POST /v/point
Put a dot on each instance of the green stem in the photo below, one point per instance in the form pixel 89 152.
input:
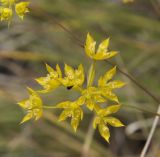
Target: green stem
pixel 91 74
pixel 141 109
pixel 48 107
pixel 78 88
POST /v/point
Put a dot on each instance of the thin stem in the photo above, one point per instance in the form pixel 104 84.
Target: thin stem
pixel 49 107
pixel 147 144
pixel 91 74
pixel 78 88
pixel 141 109
pixel 88 139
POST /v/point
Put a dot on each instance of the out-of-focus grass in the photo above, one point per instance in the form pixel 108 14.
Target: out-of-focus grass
pixel 26 46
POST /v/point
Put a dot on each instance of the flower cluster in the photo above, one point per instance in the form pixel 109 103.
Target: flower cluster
pixel 92 96
pixel 8 7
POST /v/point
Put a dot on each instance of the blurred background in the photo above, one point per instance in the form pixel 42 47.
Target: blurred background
pixel 52 33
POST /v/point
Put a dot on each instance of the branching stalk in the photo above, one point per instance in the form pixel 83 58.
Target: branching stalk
pixel 150 136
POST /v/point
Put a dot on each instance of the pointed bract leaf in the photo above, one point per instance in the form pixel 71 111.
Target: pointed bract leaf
pixel 90 46
pixel 27 117
pixel 109 110
pixel 25 104
pixel 103 46
pixel 58 69
pixel 115 84
pixel 109 74
pixel 104 132
pixel 49 68
pixel 96 122
pixel 113 121
pixel 64 115
pixel 76 117
pixel 110 95
pixel 69 71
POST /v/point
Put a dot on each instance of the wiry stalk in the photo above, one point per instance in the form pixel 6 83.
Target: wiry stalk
pixel 149 138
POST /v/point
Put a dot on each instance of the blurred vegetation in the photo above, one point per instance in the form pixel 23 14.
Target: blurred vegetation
pixel 134 30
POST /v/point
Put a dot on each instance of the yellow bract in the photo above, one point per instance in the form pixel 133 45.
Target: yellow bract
pixel 102 120
pixel 102 52
pixel 7 2
pixel 7 8
pixel 21 9
pixel 72 110
pixel 6 14
pixel 33 106
pixel 106 87
pixel 73 77
pixel 52 80
pixel 91 96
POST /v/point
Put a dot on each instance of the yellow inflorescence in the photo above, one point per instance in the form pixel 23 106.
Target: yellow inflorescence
pixel 9 7
pixel 91 96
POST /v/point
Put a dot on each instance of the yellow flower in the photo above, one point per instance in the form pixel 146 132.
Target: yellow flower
pixel 33 106
pixel 52 80
pixel 6 14
pixel 73 110
pixel 102 120
pixel 106 86
pixel 21 9
pixel 91 96
pixel 73 77
pixel 7 2
pixel 102 52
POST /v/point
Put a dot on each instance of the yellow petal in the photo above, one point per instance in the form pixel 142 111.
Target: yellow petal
pixel 49 68
pixel 48 84
pixel 96 122
pixel 43 81
pixel 109 110
pixel 37 113
pixel 103 47
pixel 90 104
pixel 25 104
pixel 64 115
pixel 21 9
pixel 107 76
pixel 69 71
pixel 110 95
pixel 76 117
pixel 90 46
pixel 58 69
pixel 31 91
pixel 104 55
pixel 79 76
pixel 115 84
pixel 27 117
pixel 104 131
pixel 113 121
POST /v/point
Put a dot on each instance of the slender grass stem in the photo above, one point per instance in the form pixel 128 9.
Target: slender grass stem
pixel 150 136
pixel 88 139
pixel 141 109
